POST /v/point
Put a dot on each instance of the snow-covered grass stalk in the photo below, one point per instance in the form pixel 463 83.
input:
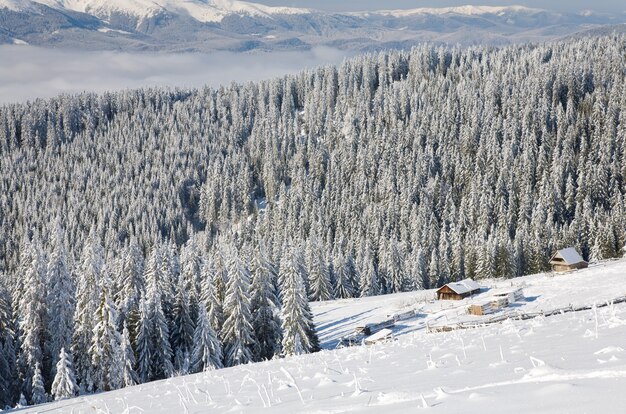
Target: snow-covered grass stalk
pixel 293 381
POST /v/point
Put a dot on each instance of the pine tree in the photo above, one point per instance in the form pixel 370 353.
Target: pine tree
pixel 105 344
pixel 158 329
pixel 129 279
pixel 320 286
pixel 369 284
pixel 343 287
pixel 143 343
pixel 207 351
pixel 64 384
pixel 61 301
pixel 8 374
pixel 299 334
pixel 87 298
pixel 238 331
pixel 183 328
pixel 395 267
pixel 39 395
pixel 264 305
pixel 32 317
pixel 128 376
pixel 160 348
pixel 420 271
pixel 191 272
pixel 210 298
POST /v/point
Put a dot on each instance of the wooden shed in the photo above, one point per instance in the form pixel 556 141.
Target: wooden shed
pixel 515 294
pixel 458 290
pixel 481 308
pixel 567 259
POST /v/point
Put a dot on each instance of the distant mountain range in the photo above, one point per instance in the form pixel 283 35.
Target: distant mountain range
pixel 209 25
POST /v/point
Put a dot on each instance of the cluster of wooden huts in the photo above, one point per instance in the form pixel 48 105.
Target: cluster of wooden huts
pixel 564 260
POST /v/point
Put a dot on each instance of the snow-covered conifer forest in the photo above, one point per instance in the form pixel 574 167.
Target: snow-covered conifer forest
pixel 153 233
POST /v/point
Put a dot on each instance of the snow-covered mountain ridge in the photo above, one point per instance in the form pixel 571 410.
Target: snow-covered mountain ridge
pixel 201 10
pixel 572 362
pixel 216 10
pixel 468 10
pixel 207 25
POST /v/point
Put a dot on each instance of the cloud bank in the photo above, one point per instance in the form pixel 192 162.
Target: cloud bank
pixel 28 72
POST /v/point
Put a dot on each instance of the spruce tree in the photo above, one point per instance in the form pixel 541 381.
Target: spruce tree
pixel 183 328
pixel 8 374
pixel 60 301
pixel 207 351
pixel 127 363
pixel 38 395
pixel 238 331
pixel 87 298
pixel 105 344
pixel 343 287
pixel 64 384
pixel 299 334
pixel 129 280
pixel 32 318
pixel 143 343
pixel 264 305
pixel 210 299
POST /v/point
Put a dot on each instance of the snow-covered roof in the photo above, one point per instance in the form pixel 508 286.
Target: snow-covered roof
pixel 482 302
pixel 382 334
pixel 464 286
pixel 568 255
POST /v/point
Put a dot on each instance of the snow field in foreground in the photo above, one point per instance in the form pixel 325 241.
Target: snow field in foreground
pixel 574 362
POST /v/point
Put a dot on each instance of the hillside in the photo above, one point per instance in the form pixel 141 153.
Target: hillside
pixel 571 362
pixel 150 233
pixel 210 25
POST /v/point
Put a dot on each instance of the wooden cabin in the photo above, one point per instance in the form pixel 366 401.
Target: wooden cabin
pixel 567 259
pixel 458 290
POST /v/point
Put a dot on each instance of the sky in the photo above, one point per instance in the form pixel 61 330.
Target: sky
pixel 574 6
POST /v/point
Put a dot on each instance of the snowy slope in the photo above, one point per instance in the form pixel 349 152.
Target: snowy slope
pixel 573 362
pixel 544 293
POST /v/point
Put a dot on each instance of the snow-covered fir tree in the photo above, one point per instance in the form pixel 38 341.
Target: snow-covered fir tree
pixel 105 343
pixel 265 308
pixel 238 330
pixel 299 336
pixel 143 342
pixel 64 383
pixel 39 395
pixel 60 300
pixel 31 313
pixel 207 350
pixel 87 300
pixel 128 375
pixel 182 328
